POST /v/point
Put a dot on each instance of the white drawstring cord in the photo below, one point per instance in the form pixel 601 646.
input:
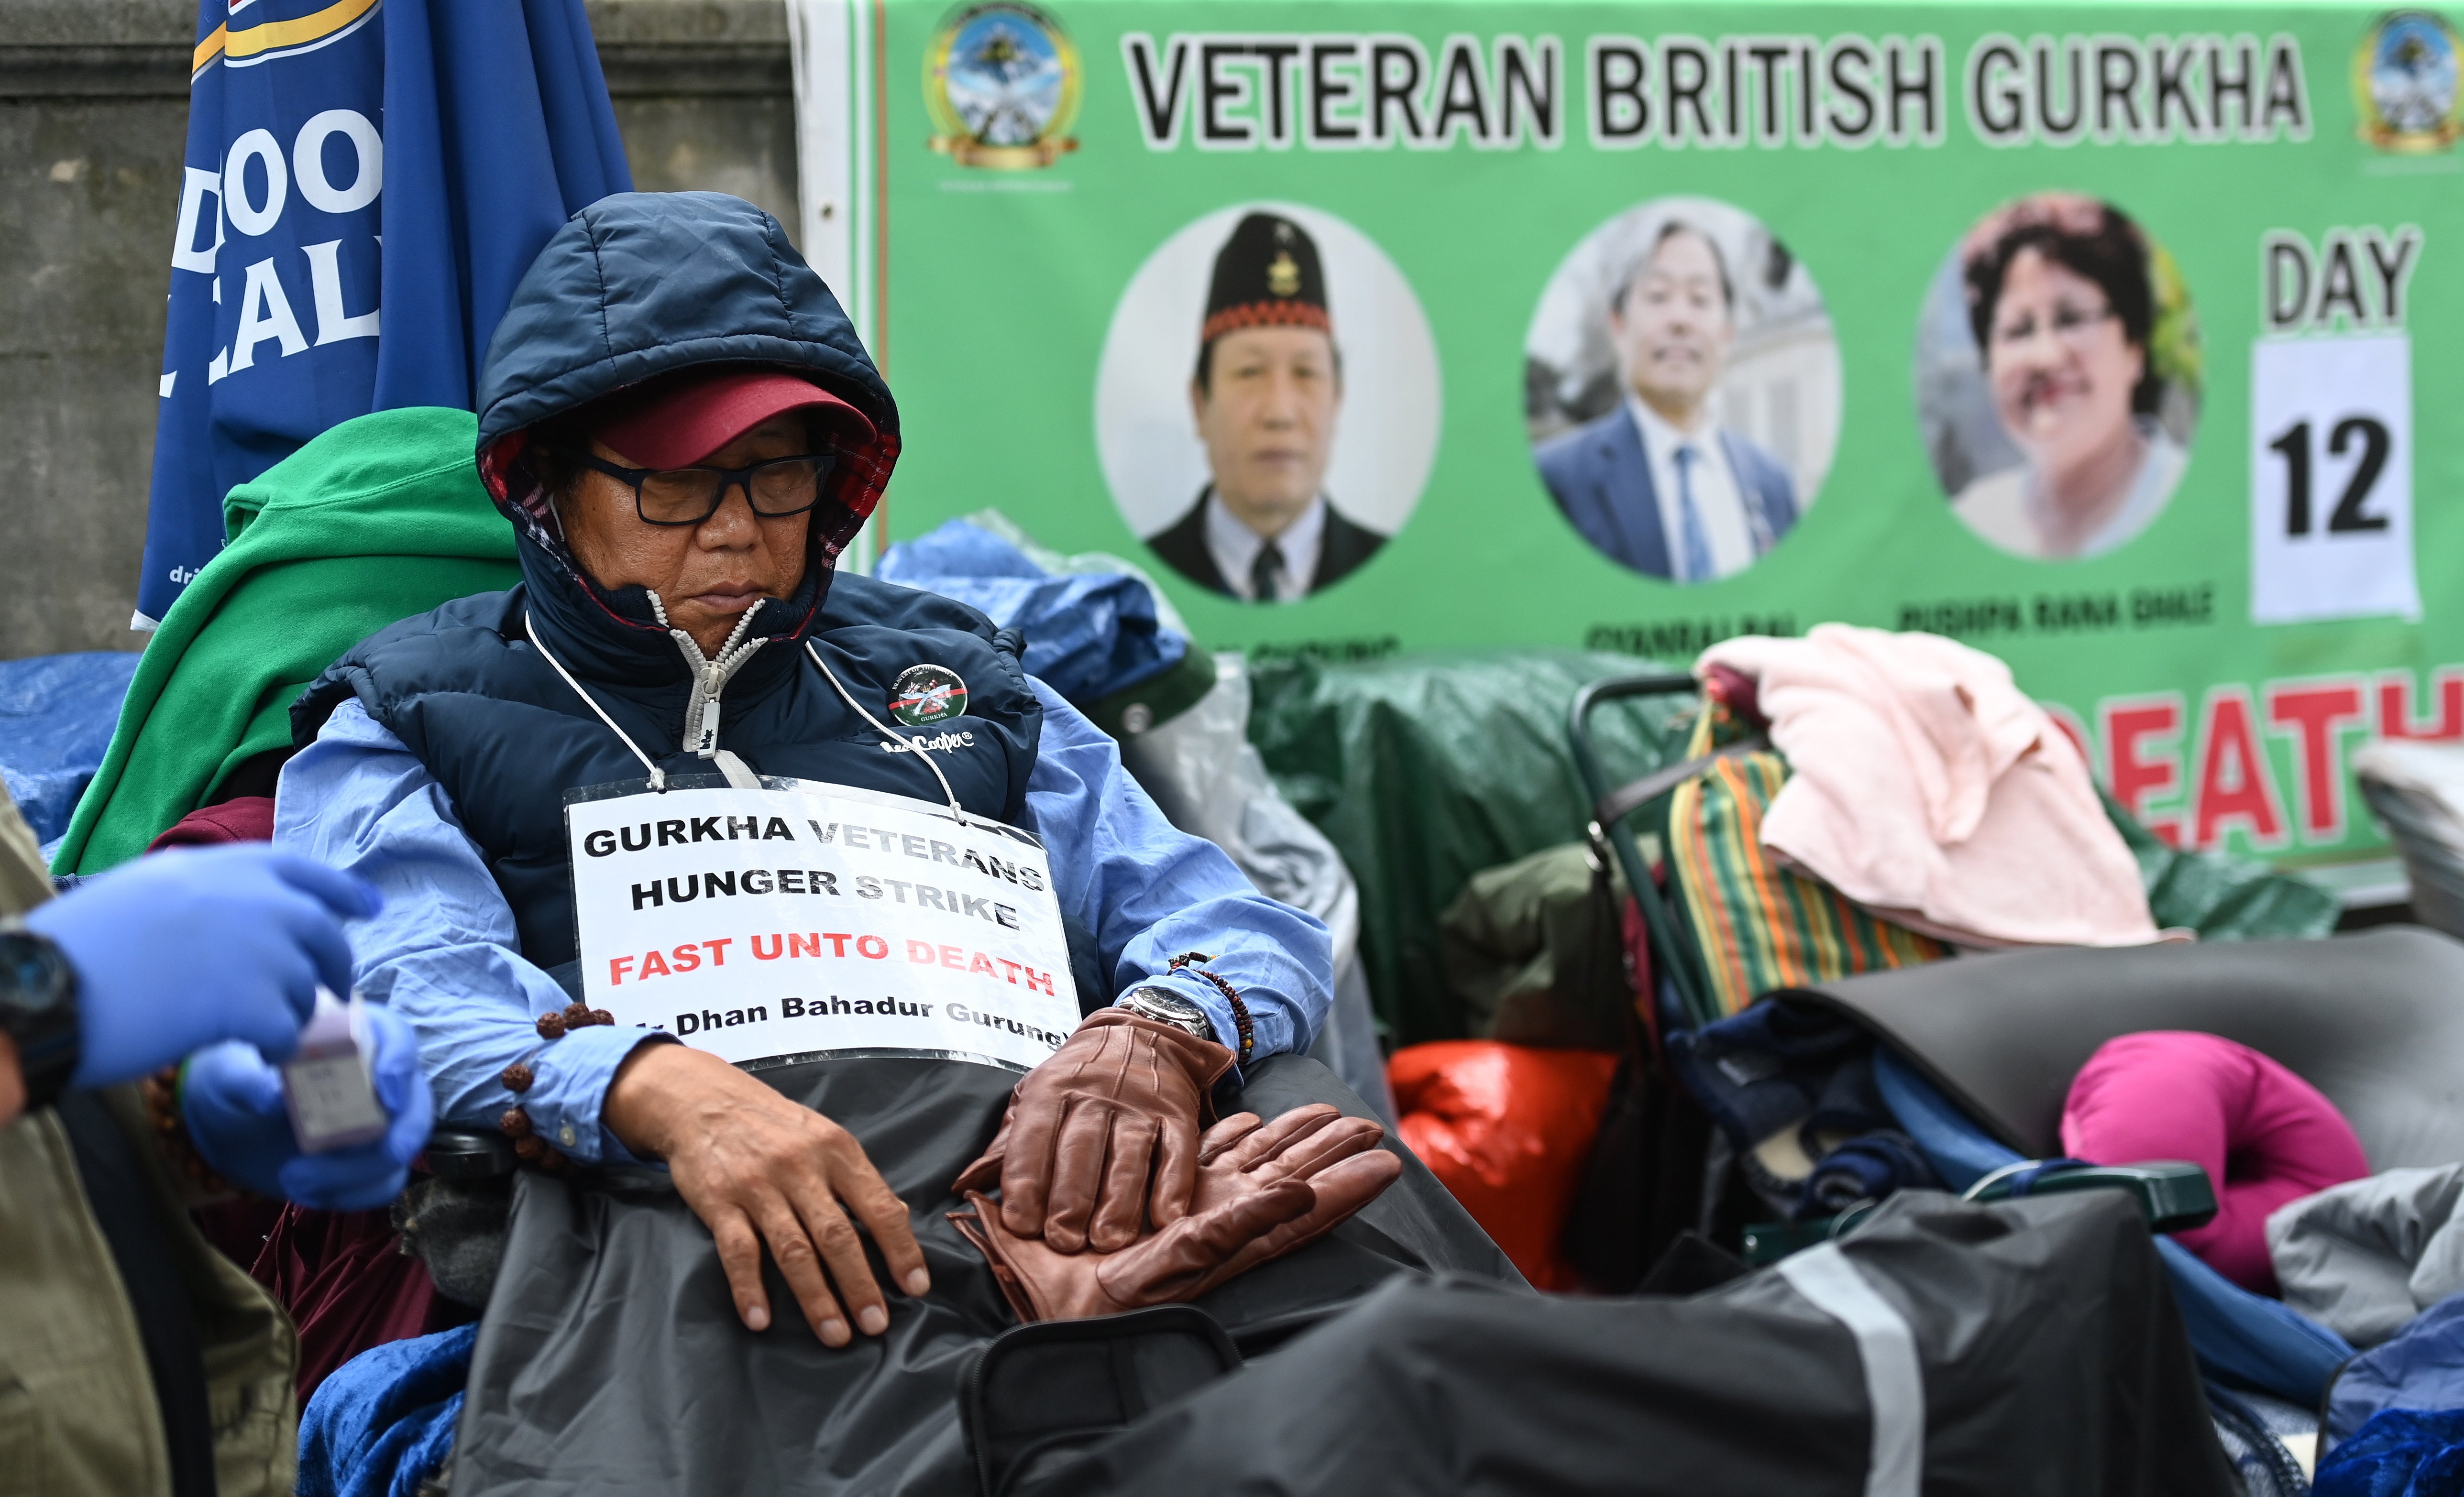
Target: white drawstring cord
pixel 957 811
pixel 658 778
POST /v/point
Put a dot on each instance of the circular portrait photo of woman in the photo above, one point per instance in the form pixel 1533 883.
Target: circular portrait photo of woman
pixel 1682 389
pixel 2057 376
pixel 1266 407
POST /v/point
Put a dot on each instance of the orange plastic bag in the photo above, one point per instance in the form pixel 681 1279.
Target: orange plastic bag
pixel 1508 1128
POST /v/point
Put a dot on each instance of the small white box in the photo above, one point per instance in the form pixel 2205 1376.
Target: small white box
pixel 332 1094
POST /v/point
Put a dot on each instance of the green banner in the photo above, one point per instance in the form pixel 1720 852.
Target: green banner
pixel 2080 333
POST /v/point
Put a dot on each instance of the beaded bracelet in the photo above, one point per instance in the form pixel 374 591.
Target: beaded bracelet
pixel 1187 962
pixel 162 1093
pixel 515 1123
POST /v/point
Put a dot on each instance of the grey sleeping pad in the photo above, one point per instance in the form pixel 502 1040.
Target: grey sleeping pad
pixel 2374 1020
pixel 610 1359
pixel 2025 1349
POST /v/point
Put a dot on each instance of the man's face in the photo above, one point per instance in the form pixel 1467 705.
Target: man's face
pixel 1268 421
pixel 1672 333
pixel 707 575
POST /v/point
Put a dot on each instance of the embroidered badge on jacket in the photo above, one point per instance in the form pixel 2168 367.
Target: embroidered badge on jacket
pixel 927 694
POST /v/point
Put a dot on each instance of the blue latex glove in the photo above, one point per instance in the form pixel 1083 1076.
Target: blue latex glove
pixel 233 1101
pixel 184 949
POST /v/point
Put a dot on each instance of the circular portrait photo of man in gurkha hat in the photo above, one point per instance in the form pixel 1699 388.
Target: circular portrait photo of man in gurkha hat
pixel 1273 386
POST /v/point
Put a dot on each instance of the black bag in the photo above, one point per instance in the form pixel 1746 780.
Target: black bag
pixel 1643 1184
pixel 1039 1394
pixel 1645 1181
pixel 2027 1348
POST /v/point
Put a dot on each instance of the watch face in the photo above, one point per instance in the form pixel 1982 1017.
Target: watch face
pixel 1168 1002
pixel 39 1012
pixel 31 972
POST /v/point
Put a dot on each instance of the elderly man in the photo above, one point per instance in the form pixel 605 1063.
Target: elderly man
pixel 1655 485
pixel 1268 387
pixel 904 852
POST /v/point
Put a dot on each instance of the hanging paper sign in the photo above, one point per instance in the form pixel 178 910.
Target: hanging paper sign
pixel 2331 479
pixel 802 919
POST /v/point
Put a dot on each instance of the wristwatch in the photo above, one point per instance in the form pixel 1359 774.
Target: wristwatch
pixel 1166 1006
pixel 39 1012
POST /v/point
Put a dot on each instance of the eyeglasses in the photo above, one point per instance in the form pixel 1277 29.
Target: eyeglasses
pixel 2068 322
pixel 690 495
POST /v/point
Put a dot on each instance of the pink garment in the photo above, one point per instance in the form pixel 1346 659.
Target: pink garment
pixel 1924 785
pixel 2263 1135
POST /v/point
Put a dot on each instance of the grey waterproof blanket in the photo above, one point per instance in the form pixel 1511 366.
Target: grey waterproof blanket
pixel 611 1360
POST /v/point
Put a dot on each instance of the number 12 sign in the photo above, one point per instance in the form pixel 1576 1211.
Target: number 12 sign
pixel 2331 479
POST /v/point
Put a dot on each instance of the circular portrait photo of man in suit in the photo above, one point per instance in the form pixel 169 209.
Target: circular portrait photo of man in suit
pixel 1682 389
pixel 1267 405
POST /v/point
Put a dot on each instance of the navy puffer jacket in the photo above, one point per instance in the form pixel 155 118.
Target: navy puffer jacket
pixel 634 286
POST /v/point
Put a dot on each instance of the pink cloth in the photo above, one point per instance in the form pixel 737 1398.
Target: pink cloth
pixel 1924 785
pixel 2263 1135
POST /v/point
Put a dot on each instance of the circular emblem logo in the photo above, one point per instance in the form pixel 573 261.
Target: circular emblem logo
pixel 1002 85
pixel 2404 79
pixel 926 694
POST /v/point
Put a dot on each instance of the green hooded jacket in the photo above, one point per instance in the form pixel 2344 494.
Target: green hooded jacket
pixel 378 519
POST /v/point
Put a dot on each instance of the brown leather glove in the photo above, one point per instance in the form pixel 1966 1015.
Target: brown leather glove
pixel 1121 1100
pixel 1263 1190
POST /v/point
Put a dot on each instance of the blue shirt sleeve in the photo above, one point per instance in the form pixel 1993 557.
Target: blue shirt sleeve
pixel 1149 892
pixel 443 953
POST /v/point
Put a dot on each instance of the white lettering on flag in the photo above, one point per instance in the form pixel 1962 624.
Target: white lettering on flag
pixel 264 314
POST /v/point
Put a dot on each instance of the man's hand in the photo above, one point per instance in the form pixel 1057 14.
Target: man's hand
pixel 756 1167
pixel 1120 1101
pixel 1264 1190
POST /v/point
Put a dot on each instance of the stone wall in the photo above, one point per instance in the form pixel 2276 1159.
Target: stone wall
pixel 93 118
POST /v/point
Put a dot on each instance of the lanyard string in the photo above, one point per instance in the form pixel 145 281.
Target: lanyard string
pixel 958 812
pixel 658 777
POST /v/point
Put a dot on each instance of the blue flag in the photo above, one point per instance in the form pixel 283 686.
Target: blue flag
pixel 367 181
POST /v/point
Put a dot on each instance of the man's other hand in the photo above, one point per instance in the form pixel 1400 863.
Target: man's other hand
pixel 1103 1136
pixel 757 1169
pixel 1264 1190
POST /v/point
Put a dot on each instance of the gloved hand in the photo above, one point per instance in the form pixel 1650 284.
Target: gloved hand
pixel 184 949
pixel 1122 1098
pixel 1263 1190
pixel 232 1102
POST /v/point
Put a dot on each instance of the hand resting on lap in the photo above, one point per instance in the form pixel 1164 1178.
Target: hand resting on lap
pixel 757 1169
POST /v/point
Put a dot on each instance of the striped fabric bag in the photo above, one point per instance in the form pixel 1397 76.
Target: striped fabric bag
pixel 1757 925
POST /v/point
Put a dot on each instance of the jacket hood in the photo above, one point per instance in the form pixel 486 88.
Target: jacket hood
pixel 639 285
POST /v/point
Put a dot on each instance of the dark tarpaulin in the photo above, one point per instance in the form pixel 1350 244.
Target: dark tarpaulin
pixel 611 1360
pixel 2047 1348
pixel 1423 769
